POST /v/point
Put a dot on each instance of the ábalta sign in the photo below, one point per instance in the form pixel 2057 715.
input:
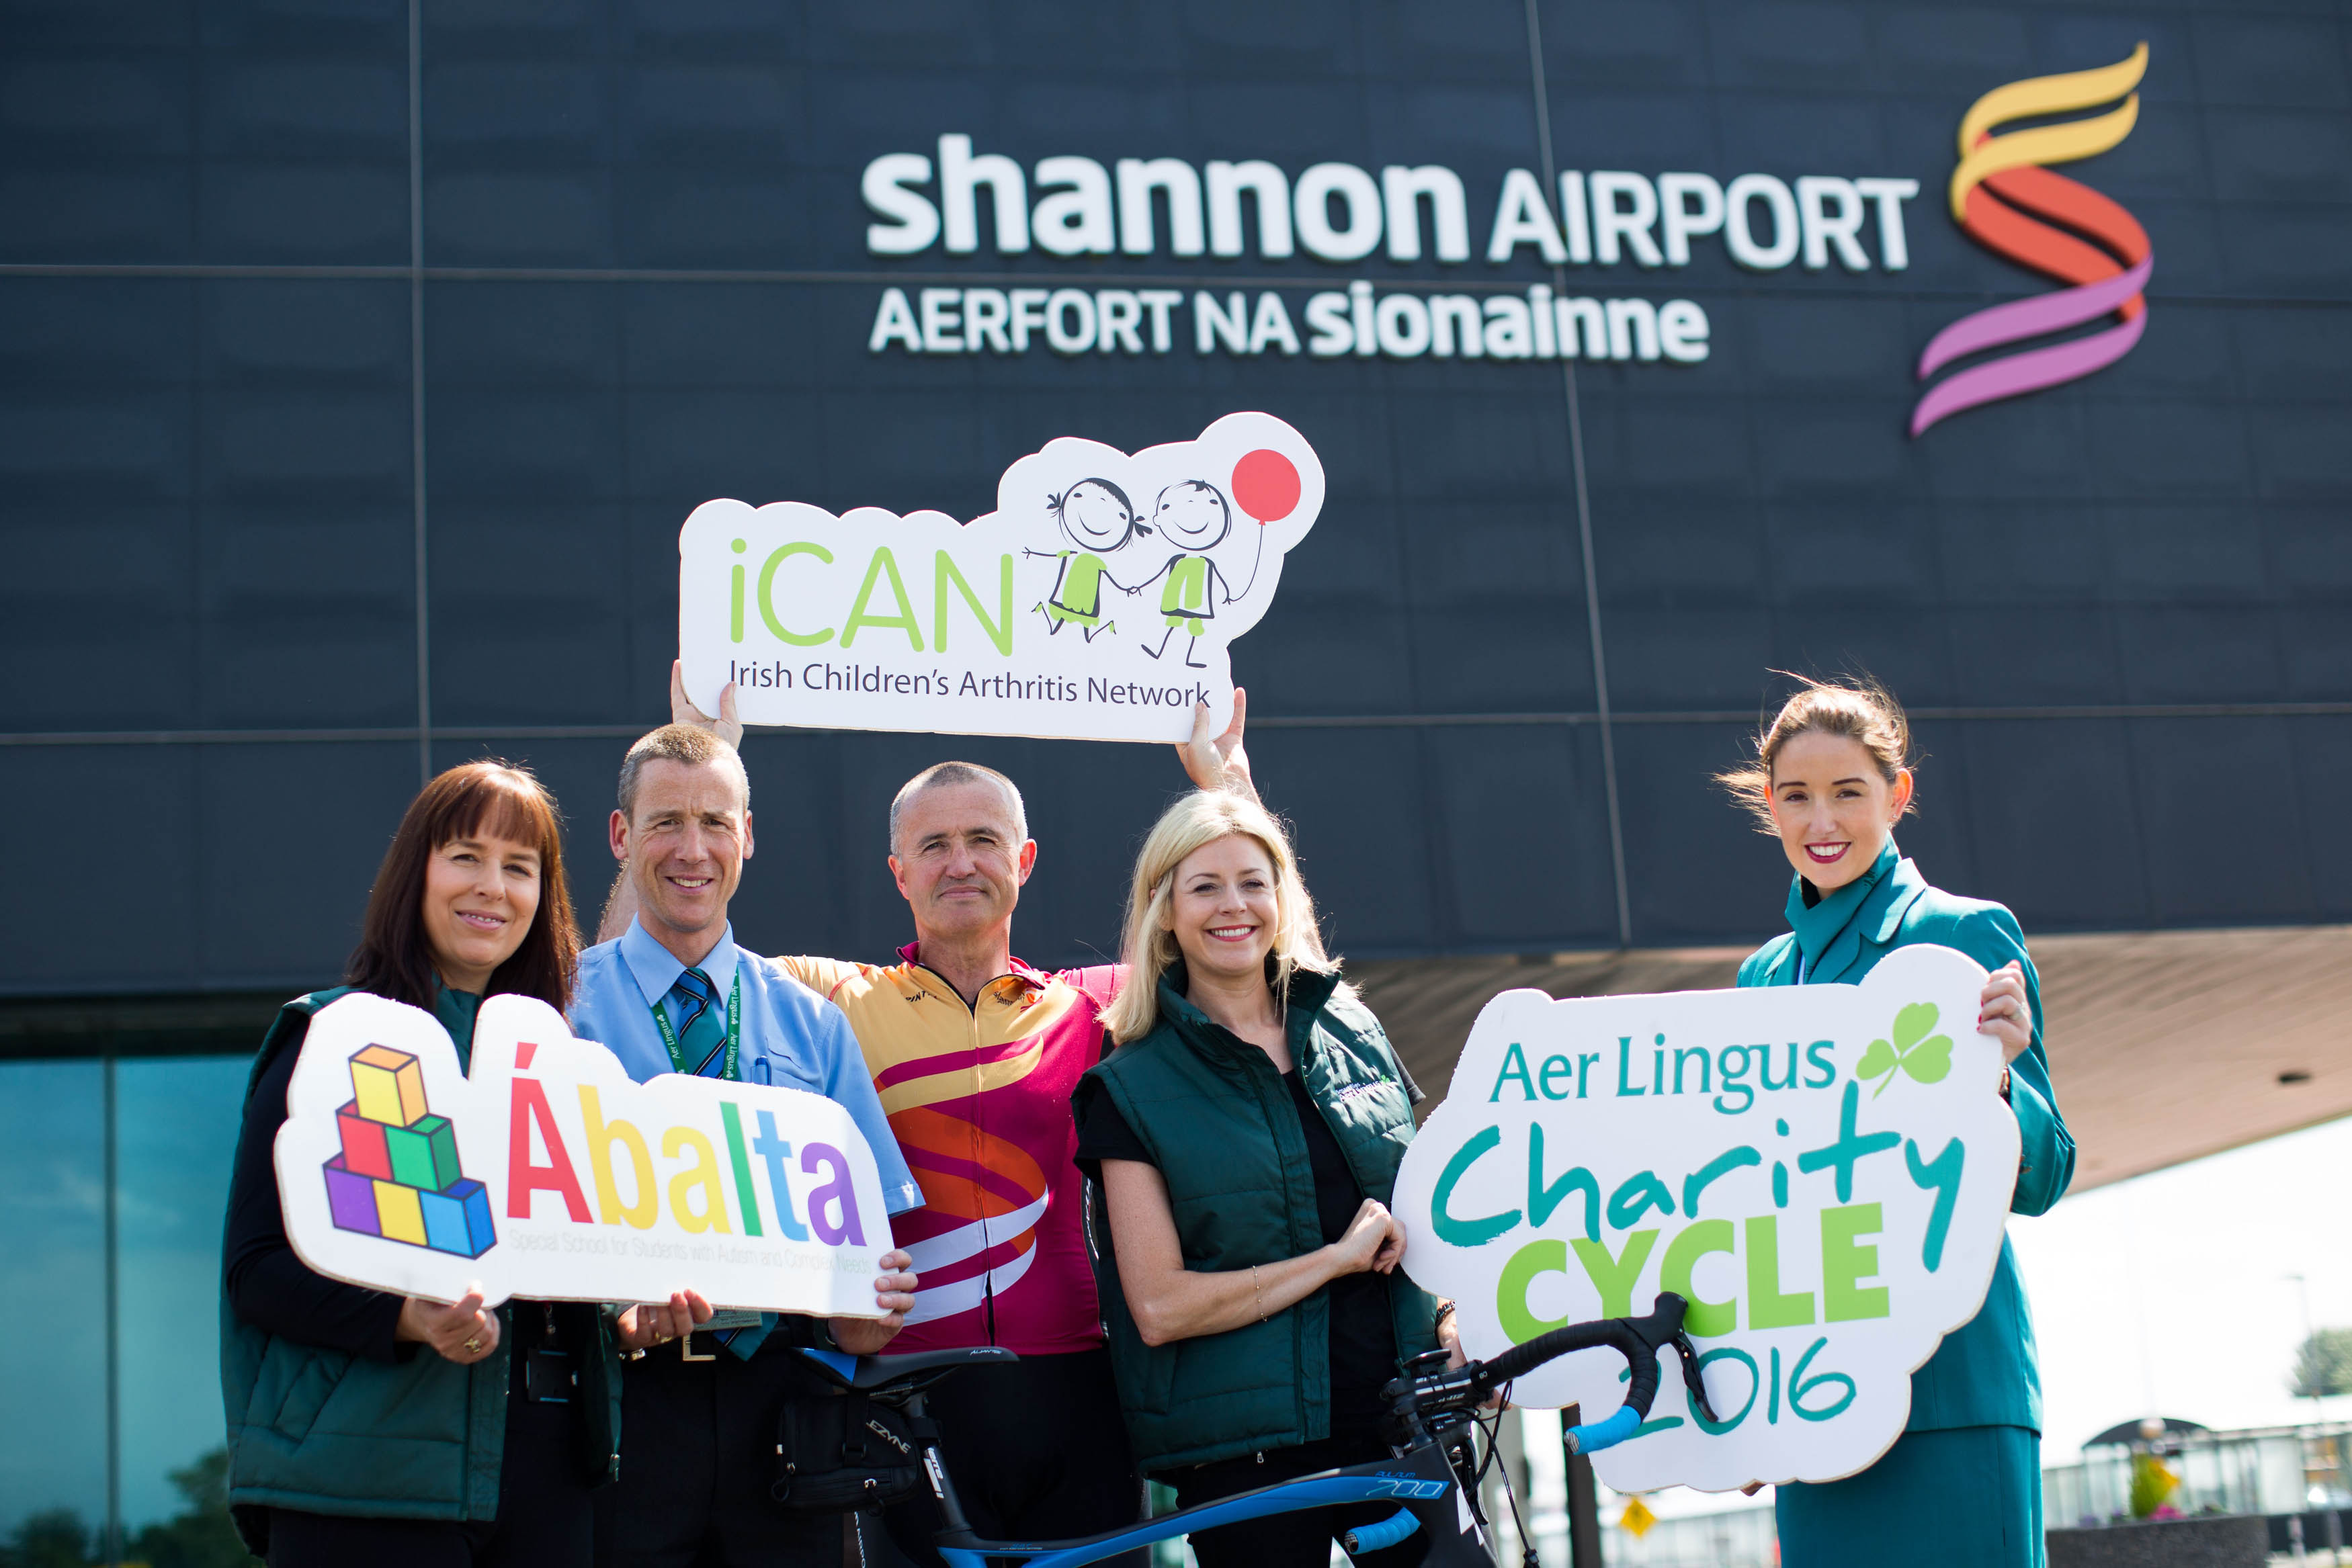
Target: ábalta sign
pixel 545 1173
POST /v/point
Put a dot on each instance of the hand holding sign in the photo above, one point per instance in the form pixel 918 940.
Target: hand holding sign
pixel 650 1323
pixel 463 1331
pixel 1821 1171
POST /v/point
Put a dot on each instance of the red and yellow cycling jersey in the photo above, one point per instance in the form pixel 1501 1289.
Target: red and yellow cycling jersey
pixel 978 1097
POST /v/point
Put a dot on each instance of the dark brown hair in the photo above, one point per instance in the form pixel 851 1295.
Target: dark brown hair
pixel 1856 706
pixel 395 960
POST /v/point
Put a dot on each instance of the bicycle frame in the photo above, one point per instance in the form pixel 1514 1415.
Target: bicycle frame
pixel 1435 1406
pixel 1422 1481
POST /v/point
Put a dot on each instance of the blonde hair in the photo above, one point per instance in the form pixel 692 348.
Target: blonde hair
pixel 1147 946
pixel 1856 709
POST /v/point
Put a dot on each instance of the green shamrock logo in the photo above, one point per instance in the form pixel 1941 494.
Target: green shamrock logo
pixel 1925 1060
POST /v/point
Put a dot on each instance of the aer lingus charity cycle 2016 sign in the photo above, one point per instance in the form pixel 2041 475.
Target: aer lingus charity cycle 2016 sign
pixel 1821 1171
pixel 1098 601
pixel 545 1173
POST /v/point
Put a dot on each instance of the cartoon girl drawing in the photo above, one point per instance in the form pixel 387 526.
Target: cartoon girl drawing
pixel 1193 516
pixel 1095 515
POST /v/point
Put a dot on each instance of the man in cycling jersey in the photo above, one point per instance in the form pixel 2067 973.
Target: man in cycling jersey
pixel 974 1054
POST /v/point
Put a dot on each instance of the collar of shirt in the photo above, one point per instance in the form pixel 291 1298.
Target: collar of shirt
pixel 456 1012
pixel 1818 925
pixel 655 969
pixel 924 978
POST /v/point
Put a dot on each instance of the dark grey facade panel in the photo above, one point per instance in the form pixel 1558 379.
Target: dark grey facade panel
pixel 645 284
pixel 193 867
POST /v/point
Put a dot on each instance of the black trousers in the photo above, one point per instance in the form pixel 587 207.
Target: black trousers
pixel 1037 1450
pixel 1301 1539
pixel 698 1451
pixel 546 1515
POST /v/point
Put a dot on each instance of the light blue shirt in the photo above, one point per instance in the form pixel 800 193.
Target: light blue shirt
pixel 792 1036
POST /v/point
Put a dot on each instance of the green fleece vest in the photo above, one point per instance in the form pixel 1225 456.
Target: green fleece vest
pixel 418 1438
pixel 1224 1130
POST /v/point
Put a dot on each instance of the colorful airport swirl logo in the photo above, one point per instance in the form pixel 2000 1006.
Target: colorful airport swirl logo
pixel 2010 204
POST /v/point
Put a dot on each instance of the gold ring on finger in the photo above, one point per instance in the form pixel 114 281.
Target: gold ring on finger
pixel 473 1347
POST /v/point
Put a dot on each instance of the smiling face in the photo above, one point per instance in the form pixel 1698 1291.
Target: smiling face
pixel 685 845
pixel 960 859
pixel 1192 516
pixel 1095 515
pixel 1222 907
pixel 1832 808
pixel 481 892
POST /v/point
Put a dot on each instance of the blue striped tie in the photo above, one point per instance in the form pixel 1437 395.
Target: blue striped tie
pixel 744 1342
pixel 701 1024
pixel 702 1040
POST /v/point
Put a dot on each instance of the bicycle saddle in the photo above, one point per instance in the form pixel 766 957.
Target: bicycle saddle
pixel 896 1374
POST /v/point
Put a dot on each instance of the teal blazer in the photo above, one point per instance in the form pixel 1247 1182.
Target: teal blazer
pixel 1986 1375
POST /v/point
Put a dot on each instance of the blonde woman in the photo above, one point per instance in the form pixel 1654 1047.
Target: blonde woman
pixel 1246 1135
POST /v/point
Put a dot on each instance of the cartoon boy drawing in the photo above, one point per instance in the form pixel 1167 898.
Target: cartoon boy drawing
pixel 1193 515
pixel 1095 515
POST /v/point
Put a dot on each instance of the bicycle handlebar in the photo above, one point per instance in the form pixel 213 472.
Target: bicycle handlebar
pixel 1638 1340
pixel 1623 1335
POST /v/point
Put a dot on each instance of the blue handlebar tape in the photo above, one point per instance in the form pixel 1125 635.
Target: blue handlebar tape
pixel 1387 1532
pixel 1605 1434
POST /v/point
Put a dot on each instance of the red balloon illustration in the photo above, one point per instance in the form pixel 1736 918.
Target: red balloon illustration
pixel 1265 485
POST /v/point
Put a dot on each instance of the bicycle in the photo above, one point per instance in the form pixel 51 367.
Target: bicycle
pixel 1433 1475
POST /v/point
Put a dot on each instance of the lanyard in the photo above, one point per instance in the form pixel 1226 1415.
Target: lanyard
pixel 728 1068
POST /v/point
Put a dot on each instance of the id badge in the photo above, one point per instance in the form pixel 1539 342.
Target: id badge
pixel 548 1377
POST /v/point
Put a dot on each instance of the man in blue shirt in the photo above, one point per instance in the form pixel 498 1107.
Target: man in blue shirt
pixel 673 994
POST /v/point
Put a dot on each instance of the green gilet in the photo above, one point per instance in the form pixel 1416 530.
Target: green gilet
pixel 1224 1130
pixel 418 1438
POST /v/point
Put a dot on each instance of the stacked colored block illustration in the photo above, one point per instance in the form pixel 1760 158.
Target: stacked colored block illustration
pixel 398 1176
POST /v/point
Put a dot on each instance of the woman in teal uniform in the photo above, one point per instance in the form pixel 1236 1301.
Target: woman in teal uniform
pixel 1963 1484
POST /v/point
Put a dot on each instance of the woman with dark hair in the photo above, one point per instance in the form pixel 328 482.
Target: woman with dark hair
pixel 369 1428
pixel 1832 776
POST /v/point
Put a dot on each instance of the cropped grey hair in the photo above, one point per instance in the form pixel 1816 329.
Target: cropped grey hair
pixel 940 774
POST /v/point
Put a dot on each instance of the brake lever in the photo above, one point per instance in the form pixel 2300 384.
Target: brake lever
pixel 1691 1377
